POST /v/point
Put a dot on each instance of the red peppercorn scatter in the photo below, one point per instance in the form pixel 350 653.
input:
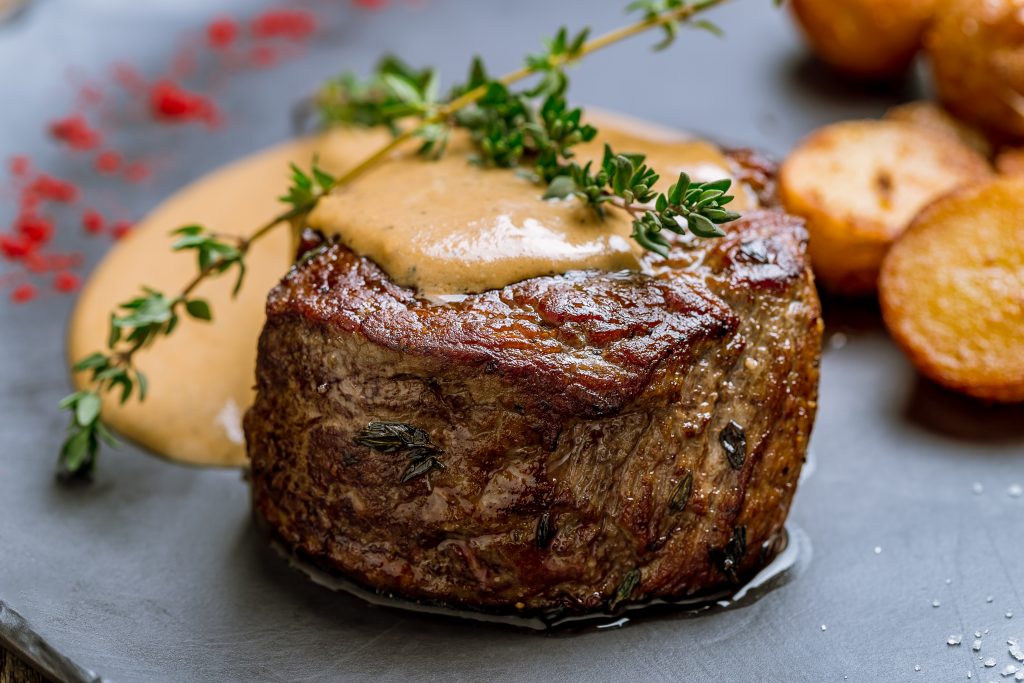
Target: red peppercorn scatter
pixel 45 187
pixel 22 294
pixel 171 102
pixel 93 222
pixel 75 132
pixel 222 33
pixel 121 229
pixel 108 162
pixel 19 165
pixel 137 172
pixel 291 24
pixel 36 229
pixel 66 281
pixel 180 96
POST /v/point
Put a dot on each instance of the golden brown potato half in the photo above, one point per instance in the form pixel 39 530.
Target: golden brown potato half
pixel 937 118
pixel 952 290
pixel 1010 161
pixel 859 183
pixel 865 38
pixel 976 50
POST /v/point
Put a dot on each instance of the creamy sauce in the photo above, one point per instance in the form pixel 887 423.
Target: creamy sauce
pixel 445 227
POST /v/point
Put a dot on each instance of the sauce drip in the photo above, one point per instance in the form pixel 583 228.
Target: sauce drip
pixel 467 230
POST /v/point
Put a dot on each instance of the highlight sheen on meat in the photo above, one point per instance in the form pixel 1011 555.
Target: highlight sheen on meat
pixel 585 441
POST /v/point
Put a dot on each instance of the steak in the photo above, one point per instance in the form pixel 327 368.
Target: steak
pixel 564 445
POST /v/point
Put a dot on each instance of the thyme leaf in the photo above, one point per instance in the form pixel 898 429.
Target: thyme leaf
pixel 682 493
pixel 625 590
pixel 729 558
pixel 399 437
pixel 545 532
pixel 734 442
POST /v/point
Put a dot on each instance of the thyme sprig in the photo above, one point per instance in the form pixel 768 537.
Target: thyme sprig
pixel 508 129
pixel 535 130
pixel 152 314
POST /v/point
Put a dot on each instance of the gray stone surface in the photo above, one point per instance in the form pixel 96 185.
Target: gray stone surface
pixel 154 573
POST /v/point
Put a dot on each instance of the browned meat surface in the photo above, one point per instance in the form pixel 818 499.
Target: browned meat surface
pixel 606 438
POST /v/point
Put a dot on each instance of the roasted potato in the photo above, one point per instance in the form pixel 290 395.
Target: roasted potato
pixel 976 51
pixel 1010 161
pixel 859 183
pixel 952 290
pixel 865 38
pixel 937 118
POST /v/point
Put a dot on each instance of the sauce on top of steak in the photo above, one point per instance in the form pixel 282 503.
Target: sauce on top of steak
pixel 449 227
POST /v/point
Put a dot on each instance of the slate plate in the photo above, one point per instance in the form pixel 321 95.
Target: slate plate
pixel 155 572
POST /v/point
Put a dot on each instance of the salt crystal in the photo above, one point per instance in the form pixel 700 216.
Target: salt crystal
pixel 954 640
pixel 935 603
pixel 976 646
pixel 1008 670
pixel 878 550
pixel 1016 652
pixel 978 488
pixel 990 662
pixel 1019 676
pixel 949 581
pixel 824 627
pixel 917 667
pixel 1016 491
pixel 1009 614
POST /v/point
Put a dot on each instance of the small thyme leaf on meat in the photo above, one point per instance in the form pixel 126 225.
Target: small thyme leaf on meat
pixel 682 493
pixel 399 437
pixel 509 128
pixel 734 442
pixel 392 437
pixel 545 531
pixel 729 558
pixel 625 590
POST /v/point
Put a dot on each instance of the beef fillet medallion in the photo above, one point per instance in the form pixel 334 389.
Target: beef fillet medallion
pixel 565 445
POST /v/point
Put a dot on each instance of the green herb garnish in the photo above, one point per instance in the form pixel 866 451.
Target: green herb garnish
pixel 729 558
pixel 533 130
pixel 734 443
pixel 682 494
pixel 399 437
pixel 625 590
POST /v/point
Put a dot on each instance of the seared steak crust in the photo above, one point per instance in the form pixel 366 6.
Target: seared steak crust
pixel 606 437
